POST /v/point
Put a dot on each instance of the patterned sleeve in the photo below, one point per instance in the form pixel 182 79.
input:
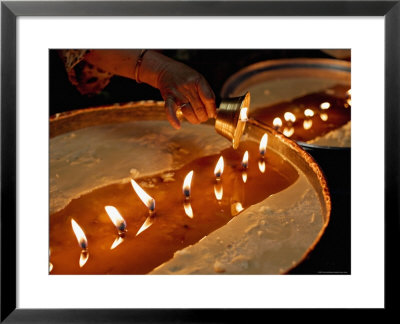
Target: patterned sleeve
pixel 88 79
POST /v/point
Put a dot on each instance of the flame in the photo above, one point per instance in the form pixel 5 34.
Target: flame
pixel 263 144
pixel 324 116
pixel 243 114
pixel 188 209
pixel 116 242
pixel 308 112
pixel 349 102
pixel 244 176
pixel 349 92
pixel 116 218
pixel 219 168
pixel 236 208
pixel 147 223
pixel 289 117
pixel 83 259
pixel 261 166
pixel 245 160
pixel 80 235
pixel 277 122
pixel 288 131
pixel 325 105
pixel 307 124
pixel 186 184
pixel 218 191
pixel 50 266
pixel 149 202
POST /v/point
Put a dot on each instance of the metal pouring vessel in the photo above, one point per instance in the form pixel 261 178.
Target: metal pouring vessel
pixel 228 122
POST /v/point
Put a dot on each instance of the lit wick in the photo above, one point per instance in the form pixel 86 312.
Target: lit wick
pixel 117 219
pixel 219 169
pixel 289 117
pixel 325 105
pixel 186 193
pixel 245 162
pixel 119 223
pixel 263 145
pixel 187 184
pixel 82 241
pixel 309 112
pixel 277 123
pixel 148 201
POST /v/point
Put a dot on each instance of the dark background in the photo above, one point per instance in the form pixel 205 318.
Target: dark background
pixel 332 254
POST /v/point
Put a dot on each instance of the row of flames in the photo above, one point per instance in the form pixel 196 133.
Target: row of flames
pixel 290 118
pixel 120 223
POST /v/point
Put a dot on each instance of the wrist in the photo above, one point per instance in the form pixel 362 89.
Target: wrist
pixel 152 67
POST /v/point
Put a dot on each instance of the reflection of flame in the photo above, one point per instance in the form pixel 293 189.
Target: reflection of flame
pixel 116 218
pixel 243 114
pixel 244 176
pixel 307 124
pixel 245 160
pixel 325 105
pixel 144 197
pixel 308 112
pixel 261 166
pixel 116 242
pixel 80 235
pixel 263 144
pixel 188 209
pixel 349 92
pixel 349 102
pixel 277 122
pixel 186 184
pixel 289 117
pixel 83 259
pixel 218 191
pixel 219 168
pixel 324 116
pixel 147 223
pixel 236 208
pixel 288 131
pixel 50 266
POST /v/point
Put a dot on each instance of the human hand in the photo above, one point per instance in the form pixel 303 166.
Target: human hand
pixel 184 88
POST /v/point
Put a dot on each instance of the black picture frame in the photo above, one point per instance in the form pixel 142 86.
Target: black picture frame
pixel 10 10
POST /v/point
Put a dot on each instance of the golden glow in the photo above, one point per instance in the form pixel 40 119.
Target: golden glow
pixel 116 242
pixel 116 218
pixel 308 112
pixel 277 122
pixel 236 208
pixel 289 117
pixel 188 209
pixel 325 105
pixel 80 235
pixel 288 131
pixel 307 124
pixel 83 258
pixel 218 191
pixel 243 114
pixel 261 166
pixel 263 144
pixel 244 176
pixel 324 116
pixel 148 201
pixel 187 184
pixel 147 223
pixel 219 168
